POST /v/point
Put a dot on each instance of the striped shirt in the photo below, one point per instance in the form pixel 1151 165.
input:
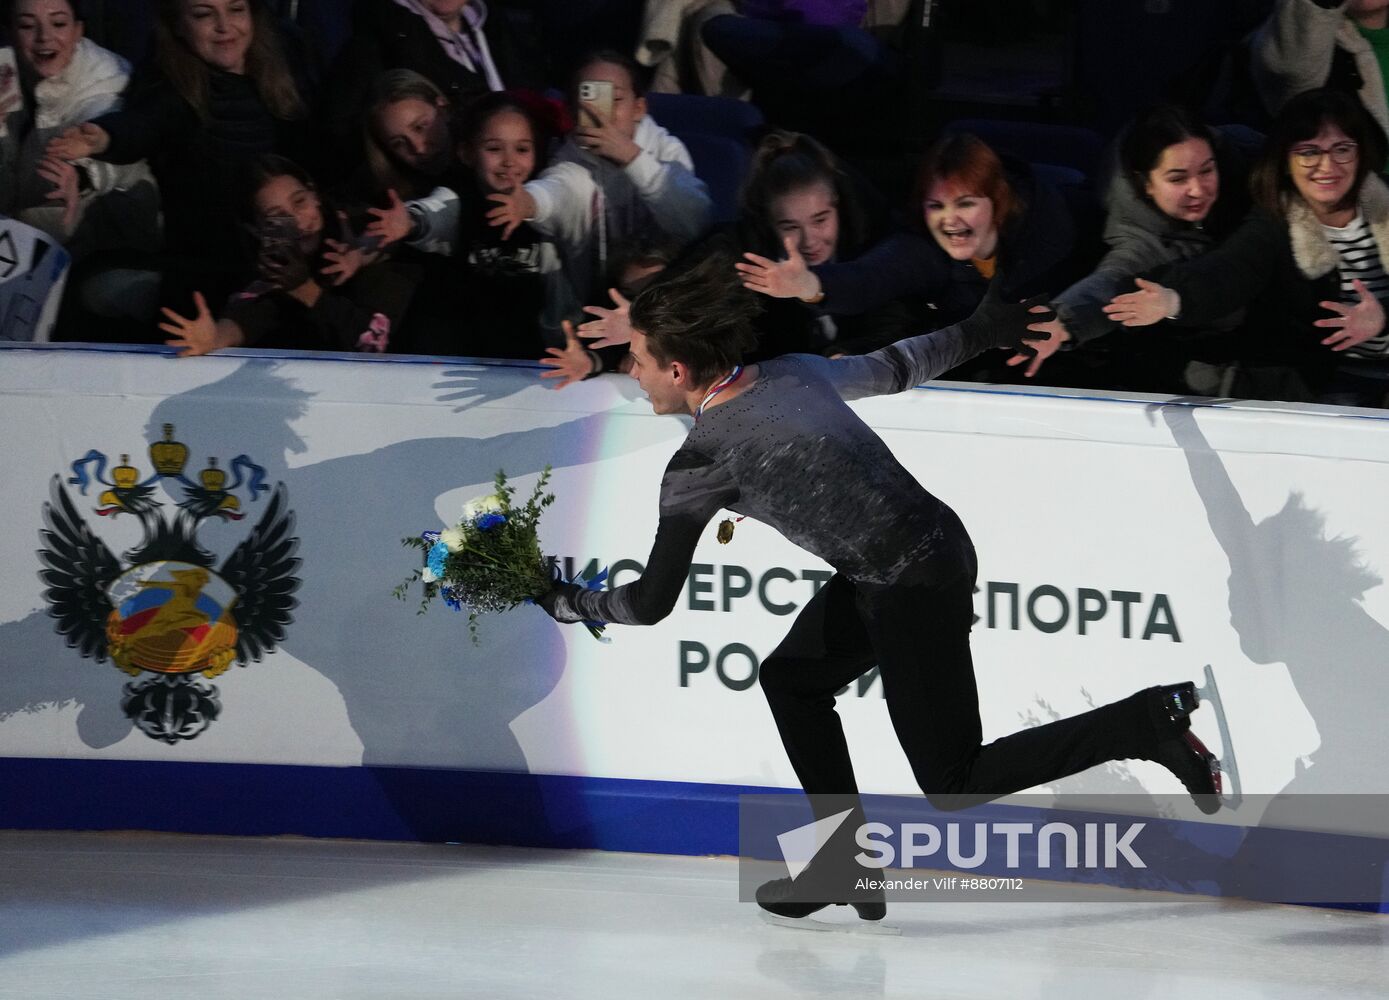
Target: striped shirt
pixel 1360 258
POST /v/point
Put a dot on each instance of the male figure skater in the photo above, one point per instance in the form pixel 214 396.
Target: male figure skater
pixel 776 442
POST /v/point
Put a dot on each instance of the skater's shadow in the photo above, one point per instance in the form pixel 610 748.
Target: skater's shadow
pixel 417 693
pixel 1294 598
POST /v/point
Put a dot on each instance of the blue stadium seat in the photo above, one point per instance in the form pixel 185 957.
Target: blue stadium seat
pixel 719 133
pixel 682 113
pixel 1132 53
pixel 722 163
pixel 1071 146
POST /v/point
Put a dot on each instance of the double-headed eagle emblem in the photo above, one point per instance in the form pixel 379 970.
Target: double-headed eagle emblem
pixel 163 608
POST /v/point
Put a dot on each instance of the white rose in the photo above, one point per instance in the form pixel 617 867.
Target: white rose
pixel 478 506
pixel 453 539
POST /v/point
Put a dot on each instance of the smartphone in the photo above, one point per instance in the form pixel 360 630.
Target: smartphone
pixel 11 98
pixel 598 93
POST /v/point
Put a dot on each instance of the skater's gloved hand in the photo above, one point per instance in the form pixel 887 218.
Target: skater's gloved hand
pixel 1010 324
pixel 559 603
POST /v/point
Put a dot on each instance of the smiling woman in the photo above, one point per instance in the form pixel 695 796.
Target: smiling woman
pixel 220 93
pixel 64 79
pixel 46 33
pixel 1309 265
pixel 1179 190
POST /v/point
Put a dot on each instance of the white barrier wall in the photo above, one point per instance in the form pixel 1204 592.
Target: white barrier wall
pixel 1121 543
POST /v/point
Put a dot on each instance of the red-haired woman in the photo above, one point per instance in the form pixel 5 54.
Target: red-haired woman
pixel 977 221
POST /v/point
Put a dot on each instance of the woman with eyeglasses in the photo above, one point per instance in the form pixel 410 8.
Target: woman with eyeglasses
pixel 1309 263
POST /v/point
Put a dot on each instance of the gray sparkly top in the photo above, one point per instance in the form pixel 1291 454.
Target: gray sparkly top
pixel 790 453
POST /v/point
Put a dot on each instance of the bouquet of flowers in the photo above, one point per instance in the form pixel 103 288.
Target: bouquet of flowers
pixel 491 559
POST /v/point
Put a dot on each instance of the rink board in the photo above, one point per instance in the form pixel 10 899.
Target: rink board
pixel 1121 543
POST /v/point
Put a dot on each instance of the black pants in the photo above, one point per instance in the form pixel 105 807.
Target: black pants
pixel 919 638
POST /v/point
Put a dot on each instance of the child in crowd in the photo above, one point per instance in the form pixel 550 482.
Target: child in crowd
pixel 407 136
pixel 510 284
pixel 619 175
pixel 802 209
pixel 315 292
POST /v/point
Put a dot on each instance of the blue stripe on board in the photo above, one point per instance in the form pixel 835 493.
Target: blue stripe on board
pixel 373 803
pixel 441 805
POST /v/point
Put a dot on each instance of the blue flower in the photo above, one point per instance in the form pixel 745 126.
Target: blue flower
pixel 488 521
pixel 451 599
pixel 438 556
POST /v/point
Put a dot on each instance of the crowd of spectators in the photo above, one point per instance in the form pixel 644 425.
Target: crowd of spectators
pixel 444 183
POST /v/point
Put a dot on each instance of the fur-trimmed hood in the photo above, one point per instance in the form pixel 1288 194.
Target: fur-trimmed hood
pixel 90 86
pixel 1313 252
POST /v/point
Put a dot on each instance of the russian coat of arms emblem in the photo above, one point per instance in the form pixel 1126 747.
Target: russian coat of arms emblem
pixel 165 607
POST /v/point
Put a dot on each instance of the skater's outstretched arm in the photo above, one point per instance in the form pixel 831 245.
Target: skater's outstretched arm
pixel 694 488
pixel 907 363
pixel 1229 520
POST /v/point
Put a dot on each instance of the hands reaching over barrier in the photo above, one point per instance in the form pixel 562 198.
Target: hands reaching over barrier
pixel 1152 303
pixel 1016 325
pixel 1354 324
pixel 611 328
pixel 511 210
pixel 1057 334
pixel 791 278
pixel 390 224
pixel 571 363
pixel 199 333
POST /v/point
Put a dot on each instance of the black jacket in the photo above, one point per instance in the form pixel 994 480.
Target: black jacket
pixel 199 164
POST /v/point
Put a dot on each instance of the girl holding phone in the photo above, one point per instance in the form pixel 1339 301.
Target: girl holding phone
pixel 509 285
pixel 618 175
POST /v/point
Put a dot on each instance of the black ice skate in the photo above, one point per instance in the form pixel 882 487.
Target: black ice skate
pixel 831 879
pixel 789 903
pixel 1182 752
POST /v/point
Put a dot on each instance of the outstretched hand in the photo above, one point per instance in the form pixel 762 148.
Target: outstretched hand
pixel 1152 303
pixel 612 326
pixel 1043 347
pixel 196 334
pixel 791 278
pixel 390 224
pixel 1354 324
pixel 1015 325
pixel 571 363
pixel 511 210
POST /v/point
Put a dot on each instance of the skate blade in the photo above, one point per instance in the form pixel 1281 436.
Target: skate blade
pixel 1226 762
pixel 811 924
